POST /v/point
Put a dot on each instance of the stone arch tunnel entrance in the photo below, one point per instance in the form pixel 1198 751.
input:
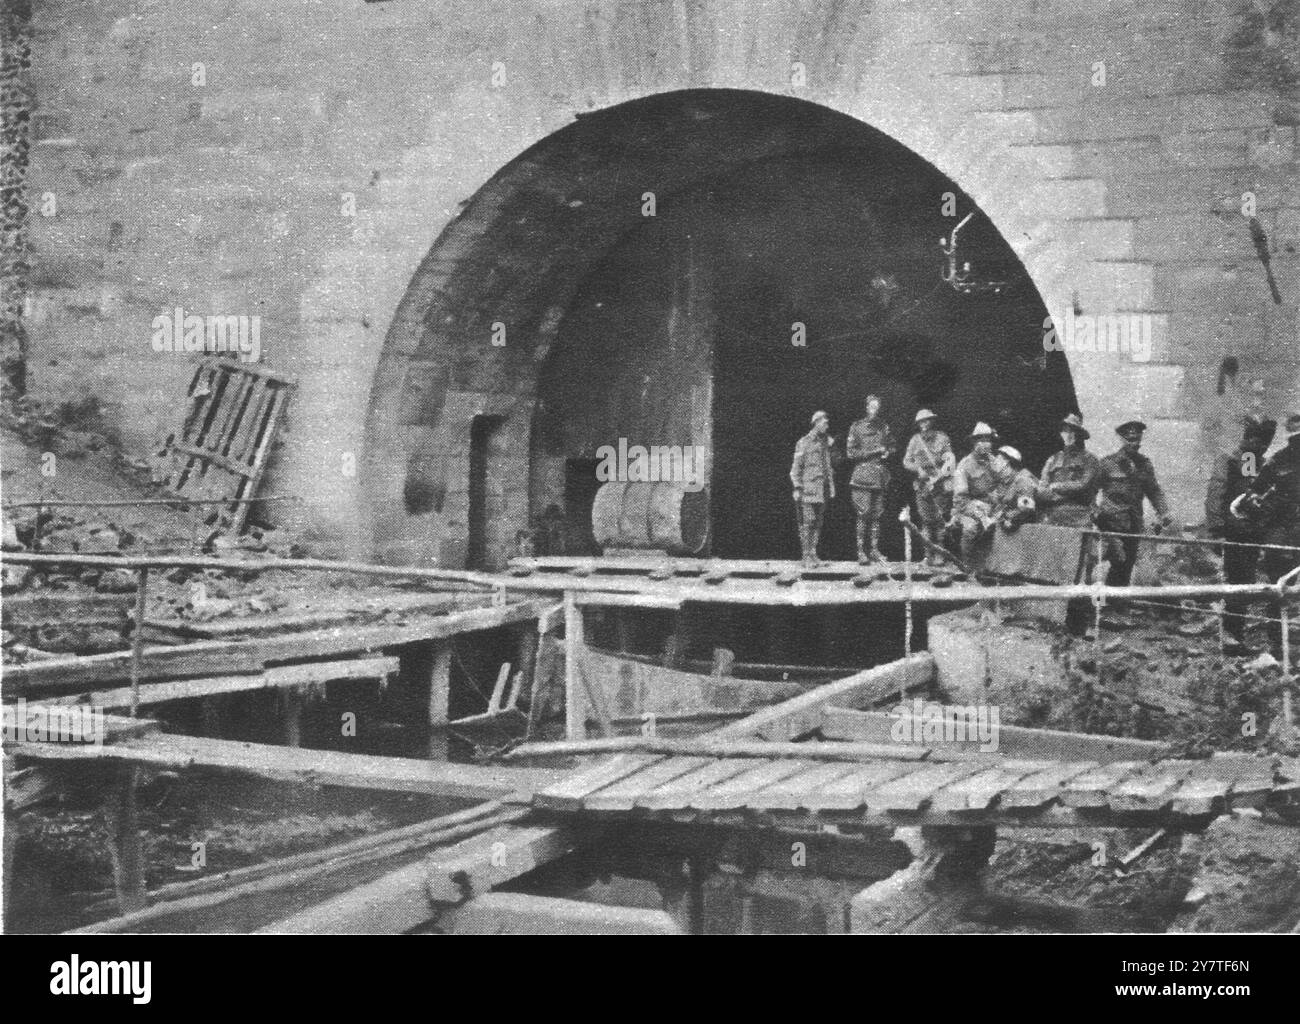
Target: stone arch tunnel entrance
pixel 791 263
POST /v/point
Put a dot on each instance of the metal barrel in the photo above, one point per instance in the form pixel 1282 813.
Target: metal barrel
pixel 654 516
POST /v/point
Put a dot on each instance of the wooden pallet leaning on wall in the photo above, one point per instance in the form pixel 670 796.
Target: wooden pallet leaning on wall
pixel 232 412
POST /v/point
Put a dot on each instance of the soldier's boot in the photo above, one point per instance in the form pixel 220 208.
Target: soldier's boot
pixel 814 542
pixel 875 554
pixel 863 557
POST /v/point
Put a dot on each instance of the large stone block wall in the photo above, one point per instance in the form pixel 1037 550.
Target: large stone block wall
pixel 231 196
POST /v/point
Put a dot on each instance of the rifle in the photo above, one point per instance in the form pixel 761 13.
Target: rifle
pixel 943 472
pixel 933 548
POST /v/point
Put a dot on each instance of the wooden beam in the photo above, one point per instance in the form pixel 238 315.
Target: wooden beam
pixel 803 714
pixel 73 674
pixel 1012 741
pixel 137 638
pixel 748 669
pixel 526 658
pixel 56 721
pixel 388 843
pixel 313 673
pixel 440 686
pixel 263 882
pixel 707 746
pixel 600 599
pixel 125 844
pixel 575 700
pixel 410 896
pixel 249 656
pixel 42 607
pixel 307 767
pixel 391 904
pixel 476 865
pixel 516 913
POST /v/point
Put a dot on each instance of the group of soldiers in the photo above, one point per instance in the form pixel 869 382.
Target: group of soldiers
pixel 1251 501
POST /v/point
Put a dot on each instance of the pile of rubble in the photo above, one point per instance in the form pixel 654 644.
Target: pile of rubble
pixel 88 610
pixel 68 429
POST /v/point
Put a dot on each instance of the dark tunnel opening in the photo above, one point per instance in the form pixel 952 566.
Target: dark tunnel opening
pixel 801 279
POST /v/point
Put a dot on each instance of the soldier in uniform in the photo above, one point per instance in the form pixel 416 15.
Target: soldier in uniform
pixel 1125 479
pixel 813 476
pixel 977 487
pixel 930 457
pixel 1019 502
pixel 1068 487
pixel 1275 501
pixel 1233 475
pixel 870 443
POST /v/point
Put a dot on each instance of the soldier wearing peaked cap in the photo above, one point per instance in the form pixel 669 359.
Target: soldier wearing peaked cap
pixel 930 458
pixel 1068 486
pixel 1126 479
pixel 870 444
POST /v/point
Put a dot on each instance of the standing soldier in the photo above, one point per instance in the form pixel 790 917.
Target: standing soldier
pixel 1275 501
pixel 870 443
pixel 1125 479
pixel 977 489
pixel 1069 482
pixel 930 457
pixel 1233 476
pixel 813 475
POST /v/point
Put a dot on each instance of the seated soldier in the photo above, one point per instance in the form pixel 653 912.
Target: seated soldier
pixel 1020 498
pixel 977 487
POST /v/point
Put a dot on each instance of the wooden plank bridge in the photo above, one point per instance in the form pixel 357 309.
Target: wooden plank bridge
pixel 805 793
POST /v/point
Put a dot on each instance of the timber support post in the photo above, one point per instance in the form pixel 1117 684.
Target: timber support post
pixel 137 638
pixel 439 705
pixel 125 844
pixel 526 660
pixel 575 704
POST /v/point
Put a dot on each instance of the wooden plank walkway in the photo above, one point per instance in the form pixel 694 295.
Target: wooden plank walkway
pixel 282 677
pixel 300 765
pixel 237 657
pixel 996 790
